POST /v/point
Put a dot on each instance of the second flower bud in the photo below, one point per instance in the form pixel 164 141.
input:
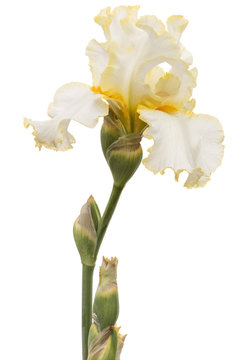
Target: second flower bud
pixel 122 151
pixel 85 231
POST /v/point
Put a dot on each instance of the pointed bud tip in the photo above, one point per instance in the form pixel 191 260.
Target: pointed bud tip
pixel 85 231
pixel 91 199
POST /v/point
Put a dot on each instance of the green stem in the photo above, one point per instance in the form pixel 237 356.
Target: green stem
pixel 87 272
pixel 87 279
pixel 108 213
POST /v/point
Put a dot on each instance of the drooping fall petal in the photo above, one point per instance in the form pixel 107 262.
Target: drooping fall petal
pixel 183 141
pixel 73 101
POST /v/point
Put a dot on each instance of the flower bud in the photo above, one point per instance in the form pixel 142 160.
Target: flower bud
pixel 104 347
pixel 111 130
pixel 85 231
pixel 123 157
pixel 106 303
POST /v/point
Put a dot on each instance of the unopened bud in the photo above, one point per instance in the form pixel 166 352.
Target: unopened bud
pixel 85 231
pixel 124 157
pixel 112 129
pixel 106 303
pixel 104 347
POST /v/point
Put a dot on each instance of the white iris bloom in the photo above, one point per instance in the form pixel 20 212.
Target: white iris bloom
pixel 129 76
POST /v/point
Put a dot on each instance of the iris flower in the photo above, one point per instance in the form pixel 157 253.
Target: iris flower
pixel 143 74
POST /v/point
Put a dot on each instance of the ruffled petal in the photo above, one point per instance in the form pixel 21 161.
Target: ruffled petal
pixel 173 88
pixel 188 81
pixel 153 76
pixel 183 141
pixel 111 22
pixel 128 66
pixel 167 86
pixel 76 101
pixel 73 101
pixel 189 105
pixel 151 23
pixel 52 134
pixel 176 24
pixel 98 60
pixel 196 179
pixel 134 47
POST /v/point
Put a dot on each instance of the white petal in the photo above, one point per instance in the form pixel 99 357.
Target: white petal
pixel 51 134
pixel 111 22
pixel 174 88
pixel 98 60
pixel 73 101
pixel 190 105
pixel 167 86
pixel 186 56
pixel 76 101
pixel 196 179
pixel 183 141
pixel 129 66
pixel 176 24
pixel 134 47
pixel 151 22
pixel 153 77
pixel 187 80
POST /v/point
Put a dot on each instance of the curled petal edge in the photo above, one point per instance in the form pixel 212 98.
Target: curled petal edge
pixel 196 178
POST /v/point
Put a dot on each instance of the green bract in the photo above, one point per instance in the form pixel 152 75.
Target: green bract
pixel 124 157
pixel 104 347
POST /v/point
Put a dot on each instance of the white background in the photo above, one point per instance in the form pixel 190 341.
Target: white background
pixel 178 249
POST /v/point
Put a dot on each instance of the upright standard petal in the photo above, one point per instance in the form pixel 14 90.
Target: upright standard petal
pixel 98 60
pixel 134 47
pixel 151 23
pixel 183 141
pixel 111 22
pixel 176 24
pixel 128 67
pixel 176 86
pixel 73 101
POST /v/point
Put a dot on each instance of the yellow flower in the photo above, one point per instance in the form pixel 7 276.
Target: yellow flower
pixel 143 74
